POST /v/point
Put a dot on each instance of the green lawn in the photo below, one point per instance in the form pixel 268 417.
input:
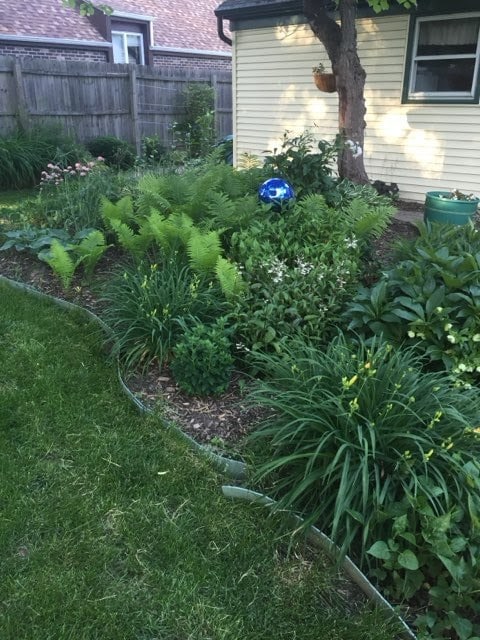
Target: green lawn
pixel 9 203
pixel 111 528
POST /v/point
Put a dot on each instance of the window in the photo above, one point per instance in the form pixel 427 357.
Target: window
pixel 128 47
pixel 445 59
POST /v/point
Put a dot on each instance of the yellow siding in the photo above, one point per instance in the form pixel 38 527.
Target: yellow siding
pixel 421 147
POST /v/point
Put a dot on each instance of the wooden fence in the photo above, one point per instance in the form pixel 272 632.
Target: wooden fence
pixel 89 99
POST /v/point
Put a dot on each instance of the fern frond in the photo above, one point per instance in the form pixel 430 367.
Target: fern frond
pixel 135 243
pixel 368 220
pixel 151 195
pixel 229 277
pixel 90 250
pixel 203 250
pixel 61 263
pixel 220 208
pixel 121 210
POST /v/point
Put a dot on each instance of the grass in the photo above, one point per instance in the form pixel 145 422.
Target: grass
pixel 9 205
pixel 111 528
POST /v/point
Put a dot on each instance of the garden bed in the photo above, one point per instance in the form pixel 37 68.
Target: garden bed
pixel 222 421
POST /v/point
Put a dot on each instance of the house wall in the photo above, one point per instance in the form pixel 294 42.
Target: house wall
pixel 52 53
pixel 198 62
pixel 421 147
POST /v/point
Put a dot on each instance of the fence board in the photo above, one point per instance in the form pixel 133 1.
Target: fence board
pixel 88 99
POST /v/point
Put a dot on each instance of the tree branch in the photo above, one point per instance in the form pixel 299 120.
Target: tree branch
pixel 324 27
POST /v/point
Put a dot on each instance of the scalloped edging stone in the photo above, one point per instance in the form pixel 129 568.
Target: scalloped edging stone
pixel 327 545
pixel 235 469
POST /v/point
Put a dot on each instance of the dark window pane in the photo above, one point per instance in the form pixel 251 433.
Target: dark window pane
pixel 444 75
pixel 447 37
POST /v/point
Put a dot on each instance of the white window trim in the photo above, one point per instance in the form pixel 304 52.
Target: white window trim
pixel 441 95
pixel 124 35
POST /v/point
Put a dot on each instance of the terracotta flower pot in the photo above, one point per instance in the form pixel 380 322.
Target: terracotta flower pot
pixel 325 82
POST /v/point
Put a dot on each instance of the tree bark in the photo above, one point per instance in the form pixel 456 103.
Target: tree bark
pixel 340 42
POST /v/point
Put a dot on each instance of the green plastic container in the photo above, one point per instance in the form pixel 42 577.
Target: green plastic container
pixel 445 210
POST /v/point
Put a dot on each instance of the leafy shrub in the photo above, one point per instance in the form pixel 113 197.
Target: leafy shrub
pixel 145 303
pixel 23 155
pixel 153 149
pixel 430 299
pixel 202 362
pixel 118 154
pixel 195 131
pixel 299 268
pixel 386 459
pixel 307 171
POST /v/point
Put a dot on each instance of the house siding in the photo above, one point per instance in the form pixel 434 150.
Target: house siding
pixel 421 147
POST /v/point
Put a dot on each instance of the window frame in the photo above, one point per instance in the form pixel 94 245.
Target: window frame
pixel 125 35
pixel 438 97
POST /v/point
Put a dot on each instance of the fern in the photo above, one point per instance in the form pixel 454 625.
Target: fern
pixel 90 250
pixel 169 233
pixel 121 211
pixel 152 194
pixel 135 243
pixel 368 220
pixel 61 263
pixel 229 277
pixel 220 208
pixel 203 250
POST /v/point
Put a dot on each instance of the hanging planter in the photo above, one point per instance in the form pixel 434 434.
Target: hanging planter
pixel 450 207
pixel 324 81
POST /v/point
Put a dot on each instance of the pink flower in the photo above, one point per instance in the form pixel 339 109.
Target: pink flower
pixel 100 159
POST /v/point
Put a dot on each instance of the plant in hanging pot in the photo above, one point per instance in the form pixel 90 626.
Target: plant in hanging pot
pixel 324 81
pixel 452 207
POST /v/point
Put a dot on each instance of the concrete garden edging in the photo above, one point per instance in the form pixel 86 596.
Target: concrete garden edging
pixel 319 539
pixel 235 469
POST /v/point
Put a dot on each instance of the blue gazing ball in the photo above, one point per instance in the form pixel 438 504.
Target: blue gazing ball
pixel 277 192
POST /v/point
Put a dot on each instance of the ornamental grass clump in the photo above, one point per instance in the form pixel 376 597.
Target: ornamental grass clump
pixel 147 301
pixel 373 450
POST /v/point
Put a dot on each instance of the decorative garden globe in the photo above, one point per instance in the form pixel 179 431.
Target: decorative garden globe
pixel 277 192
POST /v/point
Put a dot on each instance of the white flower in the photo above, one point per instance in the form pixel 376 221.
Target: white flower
pixel 411 334
pixel 352 243
pixel 451 338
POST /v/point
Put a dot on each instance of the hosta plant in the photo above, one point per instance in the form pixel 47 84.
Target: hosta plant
pixel 430 299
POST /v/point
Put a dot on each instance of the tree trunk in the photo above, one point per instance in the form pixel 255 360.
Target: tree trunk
pixel 340 43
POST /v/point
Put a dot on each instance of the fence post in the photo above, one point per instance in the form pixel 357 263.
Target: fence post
pixel 22 110
pixel 134 108
pixel 216 104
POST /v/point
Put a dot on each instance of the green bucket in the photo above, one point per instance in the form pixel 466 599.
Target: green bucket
pixel 440 207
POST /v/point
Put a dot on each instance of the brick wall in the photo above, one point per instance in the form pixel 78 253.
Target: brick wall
pixel 91 55
pixel 198 62
pixel 52 53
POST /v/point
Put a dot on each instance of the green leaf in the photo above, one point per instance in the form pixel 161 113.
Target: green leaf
pixel 380 550
pixel 408 560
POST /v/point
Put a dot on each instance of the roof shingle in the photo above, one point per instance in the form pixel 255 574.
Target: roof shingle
pixel 182 24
